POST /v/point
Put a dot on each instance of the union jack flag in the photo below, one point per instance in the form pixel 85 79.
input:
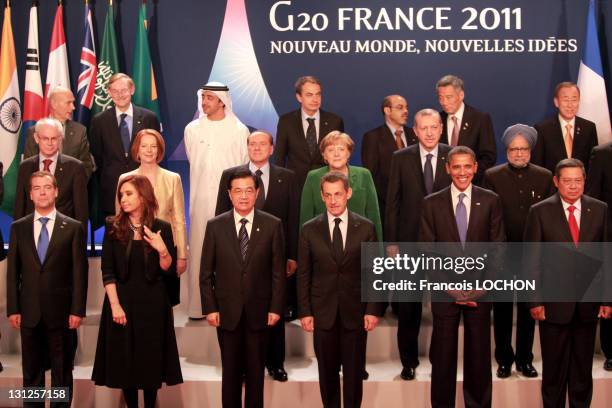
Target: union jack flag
pixel 87 78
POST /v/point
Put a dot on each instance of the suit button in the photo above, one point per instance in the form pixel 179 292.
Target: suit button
pixel 520 191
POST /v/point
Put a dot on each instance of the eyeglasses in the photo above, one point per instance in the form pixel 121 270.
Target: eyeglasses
pixel 519 149
pixel 119 92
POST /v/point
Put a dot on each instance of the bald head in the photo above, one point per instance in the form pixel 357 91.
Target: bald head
pixel 61 103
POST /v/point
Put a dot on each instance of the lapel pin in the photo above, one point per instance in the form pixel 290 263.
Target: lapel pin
pixel 477 203
pixel 588 210
pixel 280 181
pixel 257 229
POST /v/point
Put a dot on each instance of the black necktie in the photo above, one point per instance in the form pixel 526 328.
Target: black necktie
pixel 311 137
pixel 243 237
pixel 261 195
pixel 428 174
pixel 337 241
pixel 124 130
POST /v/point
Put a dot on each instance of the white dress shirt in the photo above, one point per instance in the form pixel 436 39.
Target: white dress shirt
pixel 265 175
pixel 467 200
pixel 317 118
pixel 434 158
pixel 38 226
pixel 450 125
pixel 248 225
pixel 564 123
pixel 52 166
pixel 393 129
pixel 577 211
pixel 129 119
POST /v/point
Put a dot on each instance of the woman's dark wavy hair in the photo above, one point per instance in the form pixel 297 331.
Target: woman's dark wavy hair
pixel 120 228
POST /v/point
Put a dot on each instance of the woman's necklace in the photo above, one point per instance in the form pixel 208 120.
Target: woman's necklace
pixel 135 228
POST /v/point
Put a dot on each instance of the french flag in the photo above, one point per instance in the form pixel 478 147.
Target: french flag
pixel 33 107
pixel 593 99
pixel 89 69
pixel 57 68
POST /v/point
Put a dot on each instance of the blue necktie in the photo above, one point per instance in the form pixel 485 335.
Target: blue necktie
pixel 428 174
pixel 461 219
pixel 43 239
pixel 124 130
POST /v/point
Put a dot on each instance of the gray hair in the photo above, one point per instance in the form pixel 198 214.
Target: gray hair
pixel 453 80
pixel 50 122
pixel 427 112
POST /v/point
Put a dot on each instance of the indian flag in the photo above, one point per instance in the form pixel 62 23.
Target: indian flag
pixel 10 113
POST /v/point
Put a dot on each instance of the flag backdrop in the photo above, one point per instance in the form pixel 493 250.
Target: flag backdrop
pixel 57 68
pixel 142 70
pixel 10 113
pixel 87 78
pixel 33 108
pixel 108 64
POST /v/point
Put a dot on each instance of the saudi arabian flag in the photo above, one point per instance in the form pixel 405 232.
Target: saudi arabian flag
pixel 142 70
pixel 108 64
pixel 10 113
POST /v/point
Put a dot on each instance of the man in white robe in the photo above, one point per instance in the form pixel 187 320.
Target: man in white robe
pixel 217 140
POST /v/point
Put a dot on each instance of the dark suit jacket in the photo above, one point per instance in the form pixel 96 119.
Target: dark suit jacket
pixel 281 201
pixel 377 147
pixel 325 287
pixel 71 183
pixel 290 148
pixel 518 189
pixel 55 289
pixel 547 222
pixel 116 257
pixel 75 144
pixel 550 146
pixel 407 191
pixel 230 285
pixel 107 149
pixel 477 133
pixel 599 178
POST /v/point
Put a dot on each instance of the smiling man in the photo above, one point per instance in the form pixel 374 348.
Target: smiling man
pixel 299 132
pixel 461 213
pixel 242 282
pixel 565 135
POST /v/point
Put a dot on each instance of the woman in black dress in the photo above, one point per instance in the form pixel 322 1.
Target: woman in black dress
pixel 136 343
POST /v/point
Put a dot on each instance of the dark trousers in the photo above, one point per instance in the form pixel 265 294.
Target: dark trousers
pixel 502 325
pixel 275 357
pixel 335 348
pixel 38 344
pixel 567 362
pixel 243 351
pixel 605 337
pixel 477 379
pixel 408 326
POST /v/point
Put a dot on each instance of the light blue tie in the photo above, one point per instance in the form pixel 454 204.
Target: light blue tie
pixel 461 219
pixel 43 239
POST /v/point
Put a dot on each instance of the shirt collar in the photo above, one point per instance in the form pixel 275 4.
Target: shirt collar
pixel 343 217
pixel 455 192
pixel 317 115
pixel 434 151
pixel 564 122
pixel 577 204
pixel 459 113
pixel 129 112
pixel 265 169
pixel 54 158
pixel 249 217
pixel 393 128
pixel 52 215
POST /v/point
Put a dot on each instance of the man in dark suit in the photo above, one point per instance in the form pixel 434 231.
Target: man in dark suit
pixel 599 185
pixel 416 172
pixel 464 125
pixel 69 173
pixel 277 196
pixel 329 292
pixel 299 132
pixel 46 286
pixel 567 330
pixel 242 283
pixel 461 213
pixel 112 133
pixel 520 184
pixel 61 106
pixel 565 135
pixel 378 145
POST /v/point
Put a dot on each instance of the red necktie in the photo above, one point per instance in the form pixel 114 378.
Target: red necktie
pixel 573 224
pixel 47 165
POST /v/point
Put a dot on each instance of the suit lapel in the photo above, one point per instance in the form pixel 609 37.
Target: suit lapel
pixel 256 230
pixel 465 125
pixel 324 231
pixel 586 221
pixel 415 160
pixel 29 236
pixel 475 212
pixel 451 215
pixel 560 214
pixel 559 141
pixel 576 140
pixel 274 182
pixel 232 236
pixel 351 235
pixel 440 169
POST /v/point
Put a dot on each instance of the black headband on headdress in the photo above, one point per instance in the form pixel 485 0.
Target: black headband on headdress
pixel 222 88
